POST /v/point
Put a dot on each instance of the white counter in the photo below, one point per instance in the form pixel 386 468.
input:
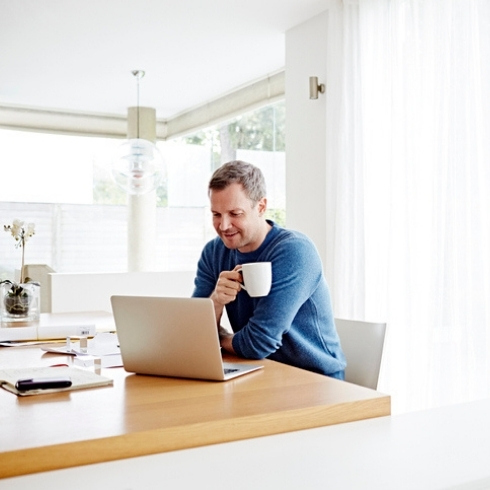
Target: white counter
pixel 448 447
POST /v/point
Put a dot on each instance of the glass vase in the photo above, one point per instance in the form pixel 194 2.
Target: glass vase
pixel 19 304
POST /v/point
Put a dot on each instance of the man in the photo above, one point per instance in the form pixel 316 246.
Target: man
pixel 294 323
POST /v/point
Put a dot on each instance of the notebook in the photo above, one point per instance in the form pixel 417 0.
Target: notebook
pixel 174 337
pixel 81 378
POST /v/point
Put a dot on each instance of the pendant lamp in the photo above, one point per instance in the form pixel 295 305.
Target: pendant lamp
pixel 138 164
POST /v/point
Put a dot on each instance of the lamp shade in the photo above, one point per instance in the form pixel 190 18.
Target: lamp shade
pixel 138 166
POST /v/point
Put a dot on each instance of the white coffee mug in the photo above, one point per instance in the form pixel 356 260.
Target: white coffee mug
pixel 257 278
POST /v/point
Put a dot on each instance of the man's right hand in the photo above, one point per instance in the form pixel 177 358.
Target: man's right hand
pixel 227 287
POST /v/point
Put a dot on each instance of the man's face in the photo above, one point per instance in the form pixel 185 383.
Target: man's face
pixel 237 222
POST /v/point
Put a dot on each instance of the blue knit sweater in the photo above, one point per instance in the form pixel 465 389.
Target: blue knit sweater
pixel 294 323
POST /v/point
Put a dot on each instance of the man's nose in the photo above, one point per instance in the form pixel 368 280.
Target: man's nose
pixel 225 223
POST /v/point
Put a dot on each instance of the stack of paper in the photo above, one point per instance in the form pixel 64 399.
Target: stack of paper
pixel 37 332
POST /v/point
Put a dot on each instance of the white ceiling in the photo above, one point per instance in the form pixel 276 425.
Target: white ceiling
pixel 77 55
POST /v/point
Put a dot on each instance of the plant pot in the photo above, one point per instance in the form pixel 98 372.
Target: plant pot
pixel 19 303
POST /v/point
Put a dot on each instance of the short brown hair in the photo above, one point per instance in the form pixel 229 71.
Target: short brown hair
pixel 246 174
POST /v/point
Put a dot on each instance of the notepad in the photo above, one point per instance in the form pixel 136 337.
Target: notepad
pixel 81 378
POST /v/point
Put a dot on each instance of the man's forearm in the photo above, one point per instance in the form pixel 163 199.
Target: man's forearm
pixel 225 340
pixel 218 309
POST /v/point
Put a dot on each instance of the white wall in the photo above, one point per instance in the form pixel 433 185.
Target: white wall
pixel 306 169
pixel 92 292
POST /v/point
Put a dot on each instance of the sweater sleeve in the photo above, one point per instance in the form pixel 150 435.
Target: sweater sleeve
pixel 207 272
pixel 296 273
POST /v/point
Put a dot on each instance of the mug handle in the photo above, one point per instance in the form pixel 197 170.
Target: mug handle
pixel 241 284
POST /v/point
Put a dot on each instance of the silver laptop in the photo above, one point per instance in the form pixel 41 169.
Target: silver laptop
pixel 172 337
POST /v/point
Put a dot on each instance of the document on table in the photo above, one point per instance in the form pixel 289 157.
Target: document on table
pixel 80 378
pixel 104 346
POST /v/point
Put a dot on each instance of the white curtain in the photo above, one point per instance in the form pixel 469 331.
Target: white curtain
pixel 408 143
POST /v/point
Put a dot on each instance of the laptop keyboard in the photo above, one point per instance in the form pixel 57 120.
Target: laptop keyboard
pixel 230 370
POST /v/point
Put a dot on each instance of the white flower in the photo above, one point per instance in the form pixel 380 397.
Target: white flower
pixel 15 228
pixel 29 231
pixel 20 234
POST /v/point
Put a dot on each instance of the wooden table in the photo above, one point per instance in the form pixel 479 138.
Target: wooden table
pixel 143 415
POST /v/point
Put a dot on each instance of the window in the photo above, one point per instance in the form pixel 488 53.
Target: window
pixel 63 184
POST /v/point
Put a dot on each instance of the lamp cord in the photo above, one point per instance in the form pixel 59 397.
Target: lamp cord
pixel 138 107
pixel 139 74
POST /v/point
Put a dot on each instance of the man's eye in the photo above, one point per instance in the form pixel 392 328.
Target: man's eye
pixel 236 214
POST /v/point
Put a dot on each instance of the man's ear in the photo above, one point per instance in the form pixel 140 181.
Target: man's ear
pixel 262 206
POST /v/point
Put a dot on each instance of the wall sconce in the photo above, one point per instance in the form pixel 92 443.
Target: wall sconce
pixel 315 88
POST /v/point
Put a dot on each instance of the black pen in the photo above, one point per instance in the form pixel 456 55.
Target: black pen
pixel 42 383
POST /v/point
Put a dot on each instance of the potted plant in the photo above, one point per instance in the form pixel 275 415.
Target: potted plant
pixel 19 301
